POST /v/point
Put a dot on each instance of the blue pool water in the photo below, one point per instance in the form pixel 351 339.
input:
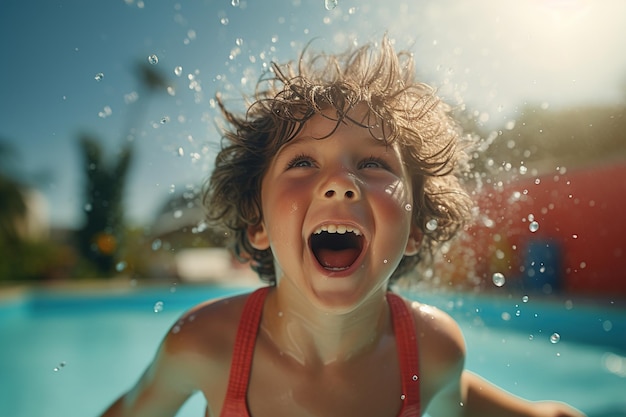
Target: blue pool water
pixel 67 354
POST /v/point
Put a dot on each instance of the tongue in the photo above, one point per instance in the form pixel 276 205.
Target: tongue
pixel 337 259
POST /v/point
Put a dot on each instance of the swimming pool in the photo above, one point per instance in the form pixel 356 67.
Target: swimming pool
pixel 67 354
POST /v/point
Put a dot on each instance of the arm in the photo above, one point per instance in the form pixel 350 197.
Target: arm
pixel 485 399
pixel 472 396
pixel 167 383
pixel 455 392
pixel 158 392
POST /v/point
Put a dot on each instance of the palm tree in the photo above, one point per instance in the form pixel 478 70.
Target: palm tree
pixel 12 203
pixel 100 237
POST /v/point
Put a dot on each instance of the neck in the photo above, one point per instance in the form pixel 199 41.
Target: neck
pixel 312 335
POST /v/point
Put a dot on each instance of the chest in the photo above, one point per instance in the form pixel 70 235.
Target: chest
pixel 368 386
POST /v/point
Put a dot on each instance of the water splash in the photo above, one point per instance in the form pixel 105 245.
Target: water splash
pixel 99 76
pixel 158 307
pixel 153 59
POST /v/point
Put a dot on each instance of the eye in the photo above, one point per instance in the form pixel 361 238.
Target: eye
pixel 301 161
pixel 374 162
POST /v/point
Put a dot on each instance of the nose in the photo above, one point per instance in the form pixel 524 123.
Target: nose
pixel 342 185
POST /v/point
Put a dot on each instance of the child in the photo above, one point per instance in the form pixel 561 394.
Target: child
pixel 326 186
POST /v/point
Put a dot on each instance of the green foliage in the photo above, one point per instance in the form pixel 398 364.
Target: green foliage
pixel 102 233
pixel 12 203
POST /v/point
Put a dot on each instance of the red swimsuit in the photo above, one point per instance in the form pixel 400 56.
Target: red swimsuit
pixel 235 404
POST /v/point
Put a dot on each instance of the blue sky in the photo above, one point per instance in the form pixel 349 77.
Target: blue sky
pixel 493 56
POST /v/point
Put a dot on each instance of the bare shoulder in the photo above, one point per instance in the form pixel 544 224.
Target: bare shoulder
pixel 441 348
pixel 208 328
pixel 194 355
pixel 198 346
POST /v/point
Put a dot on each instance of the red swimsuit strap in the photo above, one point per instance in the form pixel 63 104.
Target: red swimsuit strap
pixel 406 340
pixel 235 403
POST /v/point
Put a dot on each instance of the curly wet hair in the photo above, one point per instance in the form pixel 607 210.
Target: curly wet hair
pixel 409 112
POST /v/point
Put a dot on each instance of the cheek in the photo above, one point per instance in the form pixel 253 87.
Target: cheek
pixel 283 210
pixel 394 210
pixel 396 197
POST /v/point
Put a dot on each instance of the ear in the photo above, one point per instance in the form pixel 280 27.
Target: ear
pixel 257 235
pixel 414 242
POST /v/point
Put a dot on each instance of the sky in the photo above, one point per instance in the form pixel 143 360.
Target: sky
pixel 68 67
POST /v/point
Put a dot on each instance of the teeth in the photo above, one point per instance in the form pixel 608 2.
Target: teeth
pixel 337 228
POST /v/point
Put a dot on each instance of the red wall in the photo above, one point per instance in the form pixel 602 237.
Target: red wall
pixel 581 214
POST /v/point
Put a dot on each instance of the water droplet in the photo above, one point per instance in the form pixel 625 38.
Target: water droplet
pixel 178 71
pixel 555 338
pixel 120 266
pixel 99 76
pixel 106 112
pixel 158 306
pixel 531 337
pixel 408 207
pixel 533 226
pixel 156 244
pixel 403 397
pixel 88 207
pixel 59 367
pixel 525 299
pixel 164 120
pixel 385 261
pixel 234 3
pixel 224 21
pixel 181 151
pixel 153 59
pixel 431 225
pixel 498 279
pixel 178 214
pixel 330 4
pixel 415 377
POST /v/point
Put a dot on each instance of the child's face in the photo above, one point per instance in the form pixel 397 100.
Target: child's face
pixel 336 211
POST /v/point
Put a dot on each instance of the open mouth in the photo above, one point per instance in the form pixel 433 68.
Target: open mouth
pixel 336 247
